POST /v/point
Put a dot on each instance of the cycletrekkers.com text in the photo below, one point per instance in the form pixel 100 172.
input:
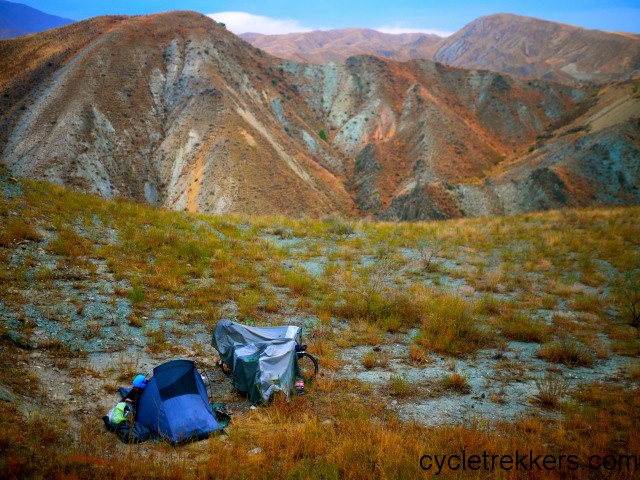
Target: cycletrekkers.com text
pixel 525 461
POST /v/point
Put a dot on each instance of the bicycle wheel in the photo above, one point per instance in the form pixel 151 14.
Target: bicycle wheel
pixel 308 366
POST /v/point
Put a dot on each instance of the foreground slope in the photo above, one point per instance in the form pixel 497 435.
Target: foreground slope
pixel 188 116
pixel 481 335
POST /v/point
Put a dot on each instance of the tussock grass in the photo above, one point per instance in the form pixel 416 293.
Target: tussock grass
pixel 522 328
pixel 567 351
pixel 456 381
pixel 489 305
pixel 401 386
pixel 417 354
pixel 369 360
pixel 629 346
pixel 69 243
pixel 586 302
pixel 339 226
pixel 449 326
pixel 551 390
pixel 298 282
pixel 17 230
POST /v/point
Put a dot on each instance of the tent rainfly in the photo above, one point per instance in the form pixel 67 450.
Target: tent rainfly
pixel 174 404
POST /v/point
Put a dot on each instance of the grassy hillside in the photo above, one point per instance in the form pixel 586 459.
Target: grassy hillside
pixel 490 334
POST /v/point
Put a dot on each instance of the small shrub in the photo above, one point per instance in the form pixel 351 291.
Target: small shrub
pixel 323 135
pixel 567 351
pixel 628 300
pixel 369 295
pixel 428 253
pixel 339 226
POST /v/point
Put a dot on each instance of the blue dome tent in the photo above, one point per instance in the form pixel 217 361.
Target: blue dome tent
pixel 174 404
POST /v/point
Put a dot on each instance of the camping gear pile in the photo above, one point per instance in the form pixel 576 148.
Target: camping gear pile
pixel 263 360
pixel 173 406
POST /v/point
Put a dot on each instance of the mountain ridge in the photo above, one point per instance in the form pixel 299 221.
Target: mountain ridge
pixel 506 43
pixel 336 45
pixel 17 19
pixel 189 116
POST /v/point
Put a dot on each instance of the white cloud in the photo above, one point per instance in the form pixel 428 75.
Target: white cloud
pixel 399 30
pixel 242 22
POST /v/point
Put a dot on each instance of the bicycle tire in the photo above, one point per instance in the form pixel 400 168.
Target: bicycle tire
pixel 308 365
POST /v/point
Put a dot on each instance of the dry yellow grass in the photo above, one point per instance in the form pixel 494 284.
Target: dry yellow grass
pixel 198 264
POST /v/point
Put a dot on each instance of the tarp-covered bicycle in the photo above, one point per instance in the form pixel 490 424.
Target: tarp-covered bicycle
pixel 264 360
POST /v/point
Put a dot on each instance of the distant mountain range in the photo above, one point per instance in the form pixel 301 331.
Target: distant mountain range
pixel 336 45
pixel 17 19
pixel 174 110
pixel 521 46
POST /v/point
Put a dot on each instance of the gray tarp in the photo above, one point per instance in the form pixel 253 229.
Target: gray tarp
pixel 263 359
pixel 261 369
pixel 228 334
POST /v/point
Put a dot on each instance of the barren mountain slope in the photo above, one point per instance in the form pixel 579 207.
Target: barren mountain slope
pixel 419 128
pixel 174 110
pixel 535 48
pixel 590 156
pixel 170 108
pixel 336 45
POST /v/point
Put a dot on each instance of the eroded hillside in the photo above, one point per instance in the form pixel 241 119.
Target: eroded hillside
pixel 174 110
pixel 171 109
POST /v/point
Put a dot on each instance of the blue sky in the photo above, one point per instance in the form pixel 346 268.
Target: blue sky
pixel 282 16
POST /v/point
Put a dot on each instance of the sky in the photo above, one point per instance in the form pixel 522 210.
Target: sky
pixel 442 17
